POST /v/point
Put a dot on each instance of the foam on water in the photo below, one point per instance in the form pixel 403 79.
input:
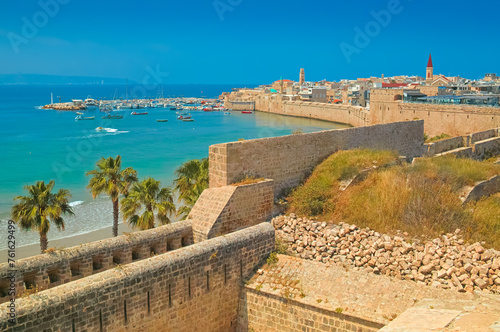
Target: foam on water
pixel 75 203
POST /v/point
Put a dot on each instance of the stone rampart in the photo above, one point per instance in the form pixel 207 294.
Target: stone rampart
pixel 288 159
pixel 49 270
pixel 223 210
pixel 354 115
pixel 190 289
pixel 386 106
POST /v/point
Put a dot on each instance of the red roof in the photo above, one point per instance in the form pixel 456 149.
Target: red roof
pixel 394 85
pixel 429 63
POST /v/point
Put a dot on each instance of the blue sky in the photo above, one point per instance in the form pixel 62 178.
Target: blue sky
pixel 248 41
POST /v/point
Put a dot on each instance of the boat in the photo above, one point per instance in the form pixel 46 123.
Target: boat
pixel 208 109
pixel 246 112
pixel 113 116
pixel 91 103
pixel 184 117
pixel 139 113
pixel 161 120
pixel 99 129
pixel 187 119
pixel 79 117
pixel 79 113
pixel 227 113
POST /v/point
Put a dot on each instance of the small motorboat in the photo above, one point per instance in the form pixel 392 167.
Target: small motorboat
pixel 79 113
pixel 100 129
pixel 246 112
pixel 161 120
pixel 85 117
pixel 187 119
pixel 139 113
pixel 184 117
pixel 113 116
pixel 227 113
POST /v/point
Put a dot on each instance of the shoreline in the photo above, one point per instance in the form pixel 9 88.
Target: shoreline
pixel 67 242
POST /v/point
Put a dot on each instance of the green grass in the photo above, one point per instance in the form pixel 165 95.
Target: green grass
pixel 436 138
pixel 317 195
pixel 421 199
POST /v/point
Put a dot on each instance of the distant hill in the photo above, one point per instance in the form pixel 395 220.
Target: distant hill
pixel 35 79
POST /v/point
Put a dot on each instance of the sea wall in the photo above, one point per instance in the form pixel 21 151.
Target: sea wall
pixel 353 115
pixel 190 289
pixel 386 106
pixel 61 266
pixel 226 209
pixel 288 159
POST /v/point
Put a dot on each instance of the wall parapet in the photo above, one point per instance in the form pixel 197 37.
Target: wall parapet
pixel 49 270
pixel 155 294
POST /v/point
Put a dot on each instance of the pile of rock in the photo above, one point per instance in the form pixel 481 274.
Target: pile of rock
pixel 446 262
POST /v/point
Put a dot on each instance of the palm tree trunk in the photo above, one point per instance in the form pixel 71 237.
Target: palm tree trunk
pixel 43 242
pixel 115 217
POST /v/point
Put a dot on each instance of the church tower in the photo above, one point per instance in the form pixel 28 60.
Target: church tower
pixel 302 77
pixel 429 77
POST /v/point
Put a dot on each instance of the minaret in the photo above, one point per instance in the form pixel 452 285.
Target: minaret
pixel 429 71
pixel 302 77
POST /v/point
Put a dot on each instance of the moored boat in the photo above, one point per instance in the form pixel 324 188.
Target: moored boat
pixel 161 120
pixel 184 117
pixel 79 117
pixel 187 119
pixel 139 113
pixel 79 113
pixel 113 116
pixel 227 113
pixel 246 112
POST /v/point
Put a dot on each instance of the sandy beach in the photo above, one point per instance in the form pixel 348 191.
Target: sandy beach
pixel 67 242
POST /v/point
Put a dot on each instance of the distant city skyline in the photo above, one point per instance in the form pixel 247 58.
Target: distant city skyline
pixel 254 42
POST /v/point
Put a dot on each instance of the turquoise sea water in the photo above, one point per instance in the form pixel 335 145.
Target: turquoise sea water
pixel 46 144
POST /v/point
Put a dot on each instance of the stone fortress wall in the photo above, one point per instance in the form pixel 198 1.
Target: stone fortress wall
pixel 386 106
pixel 62 266
pixel 288 159
pixel 195 288
pixel 353 115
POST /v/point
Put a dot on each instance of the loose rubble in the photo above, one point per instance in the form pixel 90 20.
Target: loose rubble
pixel 446 262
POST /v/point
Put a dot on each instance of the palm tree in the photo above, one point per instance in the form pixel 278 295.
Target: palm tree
pixel 109 178
pixel 41 208
pixel 192 179
pixel 149 194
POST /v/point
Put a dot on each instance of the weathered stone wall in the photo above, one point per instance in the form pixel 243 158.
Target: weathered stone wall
pixel 353 115
pixel 479 146
pixel 288 159
pixel 445 145
pixel 385 107
pixel 261 311
pixel 190 289
pixel 62 266
pixel 223 210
